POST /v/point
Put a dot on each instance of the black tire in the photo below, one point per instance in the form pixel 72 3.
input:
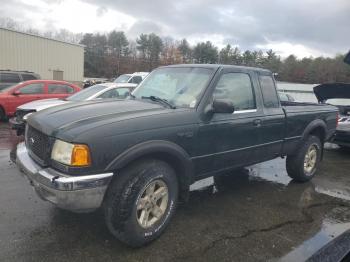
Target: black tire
pixel 295 163
pixel 3 116
pixel 125 190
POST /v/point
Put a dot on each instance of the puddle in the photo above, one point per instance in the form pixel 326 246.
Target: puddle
pixel 274 172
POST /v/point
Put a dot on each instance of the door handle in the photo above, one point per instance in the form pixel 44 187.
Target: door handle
pixel 257 122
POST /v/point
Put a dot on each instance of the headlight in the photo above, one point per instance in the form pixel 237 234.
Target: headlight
pixel 71 154
pixel 25 117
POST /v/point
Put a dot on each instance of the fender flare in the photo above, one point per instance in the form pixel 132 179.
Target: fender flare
pixel 182 160
pixel 317 123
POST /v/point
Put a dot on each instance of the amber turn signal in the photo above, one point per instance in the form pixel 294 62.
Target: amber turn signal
pixel 81 156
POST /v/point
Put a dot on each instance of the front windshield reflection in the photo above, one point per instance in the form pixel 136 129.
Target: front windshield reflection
pixel 180 86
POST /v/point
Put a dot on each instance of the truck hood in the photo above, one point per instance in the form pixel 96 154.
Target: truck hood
pixel 83 116
pixel 332 90
pixel 42 104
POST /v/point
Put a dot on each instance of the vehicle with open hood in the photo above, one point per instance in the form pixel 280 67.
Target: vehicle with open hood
pixel 338 94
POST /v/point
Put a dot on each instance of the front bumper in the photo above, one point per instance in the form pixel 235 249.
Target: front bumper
pixel 74 193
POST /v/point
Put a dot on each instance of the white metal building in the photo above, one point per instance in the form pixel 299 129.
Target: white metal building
pixel 300 92
pixel 51 59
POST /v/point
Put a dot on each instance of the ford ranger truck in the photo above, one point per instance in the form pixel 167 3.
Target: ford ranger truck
pixel 135 158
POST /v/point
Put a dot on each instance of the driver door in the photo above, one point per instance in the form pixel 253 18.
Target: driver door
pixel 25 94
pixel 229 140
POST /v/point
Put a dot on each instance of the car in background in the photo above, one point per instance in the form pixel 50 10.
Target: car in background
pixel 94 81
pixel 337 94
pixel 100 91
pixel 286 97
pixel 135 78
pixel 10 77
pixel 24 92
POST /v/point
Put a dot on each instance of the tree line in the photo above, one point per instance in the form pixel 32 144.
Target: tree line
pixel 111 54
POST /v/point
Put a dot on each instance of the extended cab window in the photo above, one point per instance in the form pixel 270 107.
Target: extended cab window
pixel 269 92
pixel 37 88
pixel 238 88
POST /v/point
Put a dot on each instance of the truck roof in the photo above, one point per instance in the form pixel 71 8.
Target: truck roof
pixel 217 66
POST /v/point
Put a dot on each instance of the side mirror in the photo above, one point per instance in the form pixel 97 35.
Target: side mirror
pixel 223 106
pixel 16 93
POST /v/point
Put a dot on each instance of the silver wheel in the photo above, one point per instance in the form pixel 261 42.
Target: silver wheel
pixel 152 203
pixel 310 159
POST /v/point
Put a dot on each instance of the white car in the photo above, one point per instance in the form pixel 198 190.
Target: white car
pixel 135 78
pixel 100 91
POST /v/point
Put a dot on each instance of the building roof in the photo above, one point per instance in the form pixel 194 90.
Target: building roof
pixel 43 37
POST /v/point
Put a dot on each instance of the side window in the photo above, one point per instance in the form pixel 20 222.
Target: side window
pixel 60 89
pixel 10 78
pixel 238 88
pixel 26 77
pixel 112 93
pixel 136 80
pixel 37 88
pixel 283 96
pixel 269 92
pixel 123 92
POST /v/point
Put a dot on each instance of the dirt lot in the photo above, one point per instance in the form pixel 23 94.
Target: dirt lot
pixel 257 215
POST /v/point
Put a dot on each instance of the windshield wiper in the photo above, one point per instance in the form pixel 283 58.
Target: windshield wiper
pixel 160 100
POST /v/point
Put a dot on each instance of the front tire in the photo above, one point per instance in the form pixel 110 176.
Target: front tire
pixel 141 201
pixel 302 166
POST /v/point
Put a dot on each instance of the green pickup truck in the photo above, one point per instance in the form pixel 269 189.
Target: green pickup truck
pixel 135 158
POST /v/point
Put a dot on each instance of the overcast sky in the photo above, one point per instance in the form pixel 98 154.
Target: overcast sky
pixel 302 27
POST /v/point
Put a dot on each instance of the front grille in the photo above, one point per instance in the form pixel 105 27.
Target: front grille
pixel 39 144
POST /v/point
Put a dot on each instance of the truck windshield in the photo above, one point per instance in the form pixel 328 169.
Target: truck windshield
pixel 122 79
pixel 180 86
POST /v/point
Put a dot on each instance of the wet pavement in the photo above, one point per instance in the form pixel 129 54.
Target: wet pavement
pixel 257 214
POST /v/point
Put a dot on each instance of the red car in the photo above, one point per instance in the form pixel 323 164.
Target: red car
pixel 14 96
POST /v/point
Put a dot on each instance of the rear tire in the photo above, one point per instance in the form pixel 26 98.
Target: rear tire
pixel 130 206
pixel 303 165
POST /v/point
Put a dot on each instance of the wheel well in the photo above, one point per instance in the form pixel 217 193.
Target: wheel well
pixel 183 174
pixel 319 132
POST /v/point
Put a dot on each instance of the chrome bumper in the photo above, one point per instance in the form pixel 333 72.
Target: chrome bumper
pixel 75 193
